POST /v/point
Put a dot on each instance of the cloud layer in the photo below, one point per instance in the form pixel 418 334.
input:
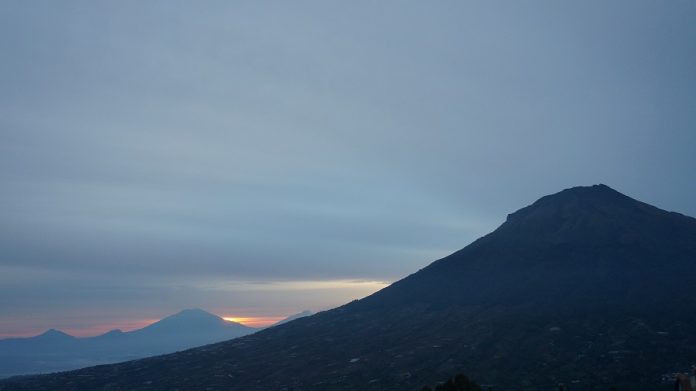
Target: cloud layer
pixel 149 149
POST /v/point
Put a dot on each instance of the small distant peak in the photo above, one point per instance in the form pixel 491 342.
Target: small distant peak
pixel 185 318
pixel 193 313
pixel 55 334
pixel 189 311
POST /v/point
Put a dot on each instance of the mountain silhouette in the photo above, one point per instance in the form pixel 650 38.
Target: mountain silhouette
pixel 290 318
pixel 55 350
pixel 586 287
pixel 586 244
pixel 53 335
pixel 192 327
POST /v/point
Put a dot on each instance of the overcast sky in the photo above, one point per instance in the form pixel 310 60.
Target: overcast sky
pixel 259 158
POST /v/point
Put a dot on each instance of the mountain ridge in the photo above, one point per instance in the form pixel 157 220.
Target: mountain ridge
pixel 55 350
pixel 577 288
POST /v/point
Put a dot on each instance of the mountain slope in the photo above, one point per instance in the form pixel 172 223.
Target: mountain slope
pixel 587 287
pixel 55 351
pixel 590 243
pixel 290 318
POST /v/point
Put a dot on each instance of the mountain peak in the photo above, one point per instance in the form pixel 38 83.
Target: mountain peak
pixel 54 335
pixel 592 216
pixel 582 206
pixel 598 188
pixel 191 316
pixel 600 192
pixel 191 319
pixel 577 198
pixel 194 313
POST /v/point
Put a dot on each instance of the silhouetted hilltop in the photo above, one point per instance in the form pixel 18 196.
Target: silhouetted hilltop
pixel 586 287
pixel 595 215
pixel 590 245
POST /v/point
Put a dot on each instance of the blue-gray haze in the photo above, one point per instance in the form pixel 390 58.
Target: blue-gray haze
pixel 244 156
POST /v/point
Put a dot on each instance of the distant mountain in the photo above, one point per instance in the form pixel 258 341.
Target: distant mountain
pixel 586 287
pixel 53 335
pixel 293 317
pixel 186 329
pixel 57 351
pixel 42 353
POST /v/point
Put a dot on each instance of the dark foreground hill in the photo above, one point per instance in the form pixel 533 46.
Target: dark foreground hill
pixel 587 287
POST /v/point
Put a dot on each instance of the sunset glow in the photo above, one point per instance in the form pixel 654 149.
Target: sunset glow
pixel 280 300
pixel 85 331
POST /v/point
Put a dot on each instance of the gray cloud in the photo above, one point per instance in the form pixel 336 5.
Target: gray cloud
pixel 316 140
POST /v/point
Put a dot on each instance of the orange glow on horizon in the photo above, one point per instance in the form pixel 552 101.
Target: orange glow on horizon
pixel 130 325
pixel 89 331
pixel 329 292
pixel 256 321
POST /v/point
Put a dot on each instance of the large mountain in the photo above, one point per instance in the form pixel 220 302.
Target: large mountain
pixel 56 351
pixel 586 287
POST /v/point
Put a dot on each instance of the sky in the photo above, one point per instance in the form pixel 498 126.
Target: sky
pixel 256 159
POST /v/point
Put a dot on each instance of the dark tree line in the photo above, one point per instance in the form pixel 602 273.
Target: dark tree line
pixel 462 383
pixel 457 383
